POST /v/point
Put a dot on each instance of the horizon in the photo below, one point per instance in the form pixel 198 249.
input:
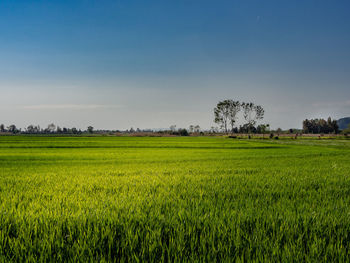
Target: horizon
pixel 153 129
pixel 117 65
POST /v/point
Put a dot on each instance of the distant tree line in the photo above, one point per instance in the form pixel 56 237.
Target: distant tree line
pixel 226 115
pixel 50 129
pixel 53 129
pixel 320 126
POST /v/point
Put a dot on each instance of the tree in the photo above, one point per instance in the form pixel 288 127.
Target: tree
pixel 252 113
pixel 246 128
pixel 31 129
pixel 221 113
pixel 263 128
pixel 197 128
pixel 225 114
pixel 191 128
pixel 234 108
pixel 12 128
pixel 320 126
pixel 172 128
pixel 183 132
pixel 2 128
pixel 51 128
pixel 307 126
pixel 90 129
pixel 335 127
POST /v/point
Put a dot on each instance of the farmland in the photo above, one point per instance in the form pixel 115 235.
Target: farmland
pixel 173 199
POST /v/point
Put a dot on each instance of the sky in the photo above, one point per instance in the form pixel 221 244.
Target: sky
pixel 152 64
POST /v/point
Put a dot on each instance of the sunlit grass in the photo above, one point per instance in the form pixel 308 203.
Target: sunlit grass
pixel 173 199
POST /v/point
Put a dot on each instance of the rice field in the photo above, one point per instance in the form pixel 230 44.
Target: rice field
pixel 193 199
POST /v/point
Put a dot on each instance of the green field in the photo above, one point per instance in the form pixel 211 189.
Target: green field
pixel 173 199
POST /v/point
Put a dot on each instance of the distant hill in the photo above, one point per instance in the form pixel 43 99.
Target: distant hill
pixel 343 123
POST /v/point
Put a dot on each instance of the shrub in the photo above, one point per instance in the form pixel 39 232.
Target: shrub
pixel 183 132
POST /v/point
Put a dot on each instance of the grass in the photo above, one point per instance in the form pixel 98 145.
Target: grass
pixel 132 199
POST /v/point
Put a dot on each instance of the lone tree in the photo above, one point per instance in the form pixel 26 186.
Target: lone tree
pixel 252 113
pixel 221 114
pixel 225 114
pixel 234 108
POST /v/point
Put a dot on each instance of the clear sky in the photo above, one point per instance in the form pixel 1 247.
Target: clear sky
pixel 151 64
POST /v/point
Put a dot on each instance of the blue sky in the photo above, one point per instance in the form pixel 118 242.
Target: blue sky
pixel 151 64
